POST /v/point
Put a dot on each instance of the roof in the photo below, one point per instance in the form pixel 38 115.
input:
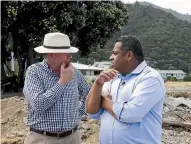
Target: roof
pixel 86 67
pixel 103 64
pixel 171 71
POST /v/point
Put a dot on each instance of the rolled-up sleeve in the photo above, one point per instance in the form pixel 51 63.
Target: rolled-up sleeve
pixel 39 99
pixel 146 94
pixel 97 115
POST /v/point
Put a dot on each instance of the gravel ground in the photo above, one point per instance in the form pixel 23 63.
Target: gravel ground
pixel 13 117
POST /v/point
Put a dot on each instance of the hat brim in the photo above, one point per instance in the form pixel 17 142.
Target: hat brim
pixel 42 49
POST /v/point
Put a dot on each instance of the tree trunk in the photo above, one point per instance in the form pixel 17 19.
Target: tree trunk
pixel 3 74
pixel 4 41
pixel 21 63
pixel 18 56
pixel 29 56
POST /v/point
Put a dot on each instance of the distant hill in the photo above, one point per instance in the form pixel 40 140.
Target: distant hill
pixel 165 39
pixel 176 14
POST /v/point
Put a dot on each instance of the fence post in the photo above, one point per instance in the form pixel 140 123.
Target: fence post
pixel 12 62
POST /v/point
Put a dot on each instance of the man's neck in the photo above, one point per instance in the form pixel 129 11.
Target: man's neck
pixel 55 68
pixel 131 67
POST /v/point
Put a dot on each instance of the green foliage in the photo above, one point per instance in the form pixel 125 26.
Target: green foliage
pixel 187 78
pixel 102 20
pixel 171 79
pixel 89 25
pixel 165 39
pixel 176 14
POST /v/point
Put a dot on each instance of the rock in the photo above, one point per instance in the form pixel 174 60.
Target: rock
pixel 84 137
pixel 11 136
pixel 22 98
pixel 84 118
pixel 85 126
pixel 4 121
pixel 173 103
pixel 92 121
pixel 17 140
pixel 82 131
pixel 19 133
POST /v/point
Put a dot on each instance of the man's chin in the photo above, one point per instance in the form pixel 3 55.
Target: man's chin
pixel 113 67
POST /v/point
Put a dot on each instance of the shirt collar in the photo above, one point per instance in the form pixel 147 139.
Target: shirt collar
pixel 137 70
pixel 122 76
pixel 45 65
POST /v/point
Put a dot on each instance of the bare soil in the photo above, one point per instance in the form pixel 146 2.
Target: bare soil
pixel 14 129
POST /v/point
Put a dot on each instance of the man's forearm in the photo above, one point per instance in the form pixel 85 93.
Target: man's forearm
pixel 107 104
pixel 93 101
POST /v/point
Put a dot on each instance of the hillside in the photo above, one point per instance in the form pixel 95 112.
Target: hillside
pixel 176 14
pixel 165 39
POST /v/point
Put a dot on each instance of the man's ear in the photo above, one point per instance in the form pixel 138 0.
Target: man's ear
pixel 129 55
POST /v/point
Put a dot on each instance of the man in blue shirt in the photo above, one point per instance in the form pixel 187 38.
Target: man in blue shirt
pixel 128 98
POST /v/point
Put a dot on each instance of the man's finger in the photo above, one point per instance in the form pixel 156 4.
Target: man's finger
pixel 63 65
pixel 112 70
pixel 113 73
pixel 106 76
pixel 109 75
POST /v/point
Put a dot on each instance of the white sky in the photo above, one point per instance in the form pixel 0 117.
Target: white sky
pixel 181 6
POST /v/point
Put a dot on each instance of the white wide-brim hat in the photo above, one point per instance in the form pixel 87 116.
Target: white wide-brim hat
pixel 56 43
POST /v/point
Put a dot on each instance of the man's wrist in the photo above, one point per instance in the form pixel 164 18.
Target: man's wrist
pixel 98 83
pixel 62 82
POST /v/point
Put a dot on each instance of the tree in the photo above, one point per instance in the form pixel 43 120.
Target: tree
pixel 102 20
pixel 88 24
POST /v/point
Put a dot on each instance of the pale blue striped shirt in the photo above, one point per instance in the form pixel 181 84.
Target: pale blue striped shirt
pixel 137 103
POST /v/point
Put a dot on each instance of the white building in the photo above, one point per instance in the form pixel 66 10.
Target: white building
pixel 178 74
pixel 103 64
pixel 88 70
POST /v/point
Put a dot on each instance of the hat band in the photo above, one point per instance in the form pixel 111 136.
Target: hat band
pixel 55 47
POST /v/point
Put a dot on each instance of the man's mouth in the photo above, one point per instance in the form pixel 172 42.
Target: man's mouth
pixel 112 65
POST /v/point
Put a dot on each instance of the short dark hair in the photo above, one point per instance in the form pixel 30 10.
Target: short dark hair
pixel 130 42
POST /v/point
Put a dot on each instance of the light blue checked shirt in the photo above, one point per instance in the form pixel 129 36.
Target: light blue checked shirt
pixel 137 103
pixel 52 107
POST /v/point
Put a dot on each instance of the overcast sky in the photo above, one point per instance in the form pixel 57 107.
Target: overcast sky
pixel 181 6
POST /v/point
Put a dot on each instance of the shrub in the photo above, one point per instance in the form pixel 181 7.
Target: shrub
pixel 171 79
pixel 187 78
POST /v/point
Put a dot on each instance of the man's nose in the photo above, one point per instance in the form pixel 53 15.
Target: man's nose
pixel 111 57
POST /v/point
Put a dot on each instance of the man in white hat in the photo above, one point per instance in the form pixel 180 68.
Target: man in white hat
pixel 52 90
